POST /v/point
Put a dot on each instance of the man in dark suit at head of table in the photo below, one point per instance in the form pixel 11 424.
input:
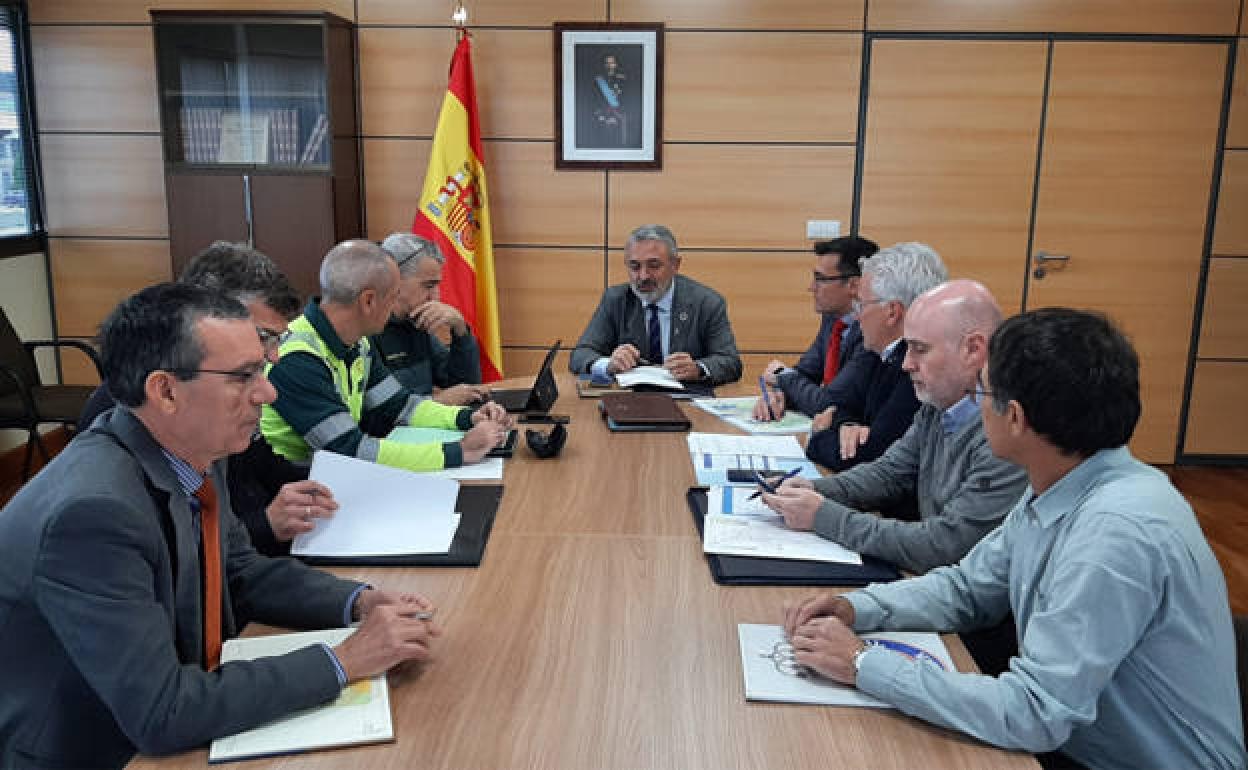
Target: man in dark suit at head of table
pixel 659 317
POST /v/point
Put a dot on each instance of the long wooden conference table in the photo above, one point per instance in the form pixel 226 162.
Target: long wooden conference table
pixel 592 636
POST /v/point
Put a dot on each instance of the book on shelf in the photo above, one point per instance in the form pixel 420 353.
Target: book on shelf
pixel 285 136
pixel 316 140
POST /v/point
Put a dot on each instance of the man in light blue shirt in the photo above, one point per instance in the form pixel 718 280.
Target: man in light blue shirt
pixel 1126 650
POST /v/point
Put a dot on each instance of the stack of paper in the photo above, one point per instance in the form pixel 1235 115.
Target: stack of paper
pixel 714 454
pixel 656 376
pixel 739 412
pixel 361 713
pixel 771 675
pixel 382 511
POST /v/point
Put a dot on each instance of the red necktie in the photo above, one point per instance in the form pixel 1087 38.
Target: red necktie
pixel 832 360
pixel 210 529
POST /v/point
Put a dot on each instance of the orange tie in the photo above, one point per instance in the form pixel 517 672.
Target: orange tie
pixel 210 528
pixel 832 361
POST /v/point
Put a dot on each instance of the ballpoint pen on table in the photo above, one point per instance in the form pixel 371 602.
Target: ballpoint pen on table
pixel 762 482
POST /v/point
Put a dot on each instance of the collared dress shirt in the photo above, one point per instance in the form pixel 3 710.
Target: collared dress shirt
pixel 1126 649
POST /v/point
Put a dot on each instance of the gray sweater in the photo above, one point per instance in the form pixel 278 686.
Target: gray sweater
pixel 963 492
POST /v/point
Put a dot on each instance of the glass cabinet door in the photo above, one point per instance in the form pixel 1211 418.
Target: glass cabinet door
pixel 244 94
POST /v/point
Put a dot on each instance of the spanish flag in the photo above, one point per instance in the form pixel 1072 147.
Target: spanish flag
pixel 454 212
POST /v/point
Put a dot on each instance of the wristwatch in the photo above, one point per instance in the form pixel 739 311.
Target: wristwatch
pixel 857 659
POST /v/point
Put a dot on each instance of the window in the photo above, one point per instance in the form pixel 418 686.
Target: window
pixel 21 221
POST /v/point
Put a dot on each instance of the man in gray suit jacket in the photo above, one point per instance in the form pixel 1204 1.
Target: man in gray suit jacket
pixel 109 632
pixel 659 317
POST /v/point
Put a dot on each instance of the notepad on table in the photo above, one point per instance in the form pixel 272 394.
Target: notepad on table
pixel 382 511
pixel 360 714
pixel 771 674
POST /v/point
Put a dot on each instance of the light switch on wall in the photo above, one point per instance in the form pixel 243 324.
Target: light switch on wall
pixel 822 229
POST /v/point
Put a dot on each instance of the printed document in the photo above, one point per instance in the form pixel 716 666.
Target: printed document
pixel 764 535
pixel 714 454
pixel 739 412
pixel 649 375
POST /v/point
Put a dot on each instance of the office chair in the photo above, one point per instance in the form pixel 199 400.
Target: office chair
pixel 25 402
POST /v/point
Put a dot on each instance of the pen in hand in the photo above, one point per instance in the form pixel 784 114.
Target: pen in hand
pixel 764 486
pixel 762 389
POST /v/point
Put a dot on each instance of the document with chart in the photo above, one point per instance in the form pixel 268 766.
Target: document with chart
pixel 735 525
pixel 714 454
pixel 773 674
pixel 360 713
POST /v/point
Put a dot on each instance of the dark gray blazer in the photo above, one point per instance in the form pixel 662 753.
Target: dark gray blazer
pixel 700 327
pixel 100 622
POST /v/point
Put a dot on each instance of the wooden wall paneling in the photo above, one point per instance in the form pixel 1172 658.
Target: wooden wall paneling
pixel 532 203
pixel 1124 192
pixel 76 368
pixel 131 11
pixel 403 79
pixel 1162 17
pixel 1237 128
pixel 394 174
pixel 523 363
pixel 1217 423
pixel 515 74
pixel 742 196
pixel 743 14
pixel 103 185
pixel 950 153
pixel 546 294
pixel 505 13
pixel 95 78
pixel 1224 325
pixel 1230 231
pixel 761 86
pixel 769 303
pixel 89 278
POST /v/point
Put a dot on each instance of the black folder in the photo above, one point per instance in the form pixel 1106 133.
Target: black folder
pixel 476 504
pixel 752 571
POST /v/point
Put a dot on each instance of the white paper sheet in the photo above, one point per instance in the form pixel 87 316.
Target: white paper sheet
pixel 489 469
pixel 765 682
pixel 727 444
pixel 766 536
pixel 382 511
pixel 360 714
pixel 649 375
pixel 739 412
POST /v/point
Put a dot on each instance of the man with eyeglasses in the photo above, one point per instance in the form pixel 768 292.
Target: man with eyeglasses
pixel 821 376
pixel 272 495
pixel 875 401
pixel 1128 652
pixel 660 318
pixel 942 464
pixel 125 569
pixel 410 344
pixel 335 393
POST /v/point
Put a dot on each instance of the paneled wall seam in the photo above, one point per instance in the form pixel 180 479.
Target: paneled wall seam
pixel 1215 185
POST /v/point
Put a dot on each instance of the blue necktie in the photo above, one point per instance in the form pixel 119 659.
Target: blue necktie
pixel 656 342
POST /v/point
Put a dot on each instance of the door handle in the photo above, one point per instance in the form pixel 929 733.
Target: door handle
pixel 1043 258
pixel 251 228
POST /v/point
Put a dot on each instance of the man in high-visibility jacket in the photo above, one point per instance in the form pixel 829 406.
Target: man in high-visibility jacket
pixel 334 391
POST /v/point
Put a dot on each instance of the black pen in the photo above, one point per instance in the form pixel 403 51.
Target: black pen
pixel 762 482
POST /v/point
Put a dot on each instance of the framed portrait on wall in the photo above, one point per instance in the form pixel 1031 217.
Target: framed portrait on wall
pixel 608 96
